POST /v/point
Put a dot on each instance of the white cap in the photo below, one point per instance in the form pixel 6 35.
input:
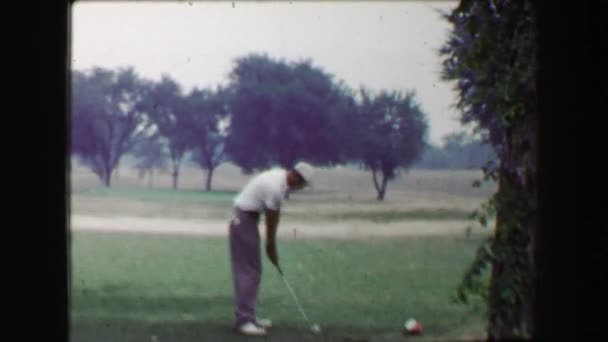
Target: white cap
pixel 305 170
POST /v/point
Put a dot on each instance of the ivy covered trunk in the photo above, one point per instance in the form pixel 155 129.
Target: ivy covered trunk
pixel 491 53
pixel 511 293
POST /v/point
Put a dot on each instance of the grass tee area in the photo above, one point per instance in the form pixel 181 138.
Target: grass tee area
pixel 141 287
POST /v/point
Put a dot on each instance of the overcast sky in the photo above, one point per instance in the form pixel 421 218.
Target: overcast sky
pixel 381 45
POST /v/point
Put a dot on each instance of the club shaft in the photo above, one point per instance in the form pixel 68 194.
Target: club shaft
pixel 295 298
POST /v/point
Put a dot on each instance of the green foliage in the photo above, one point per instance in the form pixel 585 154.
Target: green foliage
pixel 506 253
pixel 151 154
pixel 485 213
pixel 164 104
pixel 207 111
pixel 283 112
pixel 516 275
pixel 391 134
pixel 108 117
pixel 492 55
pixel 475 280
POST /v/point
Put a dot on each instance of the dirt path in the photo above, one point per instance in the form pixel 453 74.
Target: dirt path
pixel 287 229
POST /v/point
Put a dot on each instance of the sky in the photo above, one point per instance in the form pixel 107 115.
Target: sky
pixel 379 45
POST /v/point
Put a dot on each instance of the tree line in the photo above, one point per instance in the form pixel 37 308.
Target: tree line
pixel 460 151
pixel 272 112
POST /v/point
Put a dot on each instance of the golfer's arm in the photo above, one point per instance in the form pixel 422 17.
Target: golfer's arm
pixel 272 223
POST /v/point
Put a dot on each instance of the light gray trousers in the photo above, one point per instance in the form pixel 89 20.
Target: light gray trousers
pixel 246 264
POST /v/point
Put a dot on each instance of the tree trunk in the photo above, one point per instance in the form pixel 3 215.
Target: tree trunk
pixel 497 330
pixel 175 176
pixel 384 184
pixel 107 181
pixel 176 158
pixel 377 186
pixel 380 196
pixel 529 181
pixel 380 186
pixel 519 174
pixel 209 178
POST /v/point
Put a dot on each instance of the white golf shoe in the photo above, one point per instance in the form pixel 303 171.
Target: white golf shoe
pixel 251 329
pixel 263 323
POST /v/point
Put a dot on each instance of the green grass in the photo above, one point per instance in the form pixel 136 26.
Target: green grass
pixel 216 205
pixel 399 215
pixel 144 194
pixel 130 287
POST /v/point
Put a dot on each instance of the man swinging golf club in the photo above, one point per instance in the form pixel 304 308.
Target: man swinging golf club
pixel 263 194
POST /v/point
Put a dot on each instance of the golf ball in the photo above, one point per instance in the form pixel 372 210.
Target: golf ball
pixel 412 326
pixel 315 328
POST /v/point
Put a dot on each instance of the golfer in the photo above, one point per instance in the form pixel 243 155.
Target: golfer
pixel 264 194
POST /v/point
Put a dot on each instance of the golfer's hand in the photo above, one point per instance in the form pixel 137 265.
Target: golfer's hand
pixel 271 252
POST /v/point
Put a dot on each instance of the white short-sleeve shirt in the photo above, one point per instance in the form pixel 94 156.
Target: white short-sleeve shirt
pixel 267 190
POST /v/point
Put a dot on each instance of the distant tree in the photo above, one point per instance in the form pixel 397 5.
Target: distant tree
pixel 460 151
pixel 165 105
pixel 151 154
pixel 455 140
pixel 281 113
pixel 433 158
pixel 466 152
pixel 207 113
pixel 391 135
pixel 85 108
pixel 345 118
pixel 107 117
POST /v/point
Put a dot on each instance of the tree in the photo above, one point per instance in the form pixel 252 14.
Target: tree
pixel 391 135
pixel 107 117
pixel 492 53
pixel 433 158
pixel 466 152
pixel 281 113
pixel 207 113
pixel 152 155
pixel 459 152
pixel 165 105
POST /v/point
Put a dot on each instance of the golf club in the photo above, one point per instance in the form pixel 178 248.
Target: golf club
pixel 313 327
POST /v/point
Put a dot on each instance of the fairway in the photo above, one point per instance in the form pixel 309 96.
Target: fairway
pixel 137 287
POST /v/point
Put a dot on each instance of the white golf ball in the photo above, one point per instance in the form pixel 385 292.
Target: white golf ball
pixel 315 328
pixel 412 326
